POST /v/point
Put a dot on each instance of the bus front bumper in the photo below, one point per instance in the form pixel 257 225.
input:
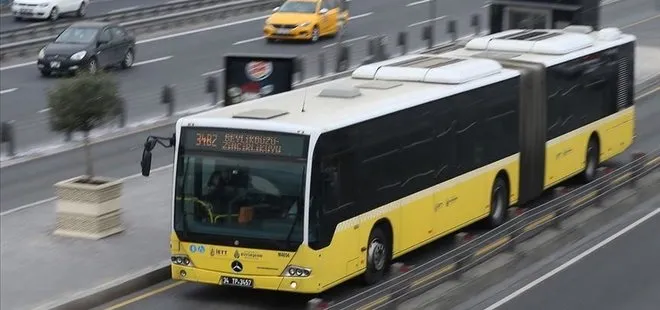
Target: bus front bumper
pixel 274 283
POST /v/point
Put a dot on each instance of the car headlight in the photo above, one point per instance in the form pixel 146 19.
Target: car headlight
pixel 304 24
pixel 79 55
pixel 42 53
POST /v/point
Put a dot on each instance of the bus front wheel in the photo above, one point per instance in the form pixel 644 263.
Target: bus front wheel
pixel 499 203
pixel 378 256
pixel 592 161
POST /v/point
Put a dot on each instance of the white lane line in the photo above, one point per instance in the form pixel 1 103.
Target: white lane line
pixel 426 21
pixel 248 40
pixel 140 63
pixel 346 41
pixel 573 260
pixel 44 110
pixel 213 72
pixel 165 37
pixel 417 3
pixel 176 1
pixel 5 15
pixel 37 203
pixel 7 91
pixel 124 9
pixel 360 16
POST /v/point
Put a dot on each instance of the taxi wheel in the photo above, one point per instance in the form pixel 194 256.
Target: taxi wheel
pixel 270 40
pixel 316 34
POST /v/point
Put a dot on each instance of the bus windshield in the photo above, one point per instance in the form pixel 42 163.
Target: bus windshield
pixel 234 197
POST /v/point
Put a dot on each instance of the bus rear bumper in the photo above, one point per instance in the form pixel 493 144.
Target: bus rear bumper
pixel 305 285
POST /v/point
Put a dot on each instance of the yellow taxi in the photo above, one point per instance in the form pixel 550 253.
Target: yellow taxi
pixel 305 20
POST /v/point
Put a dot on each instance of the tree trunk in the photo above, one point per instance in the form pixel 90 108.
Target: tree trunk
pixel 89 169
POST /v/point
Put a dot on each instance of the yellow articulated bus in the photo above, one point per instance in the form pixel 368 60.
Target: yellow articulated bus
pixel 303 190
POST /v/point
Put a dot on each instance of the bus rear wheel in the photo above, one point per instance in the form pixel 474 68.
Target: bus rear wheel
pixel 591 162
pixel 499 203
pixel 378 256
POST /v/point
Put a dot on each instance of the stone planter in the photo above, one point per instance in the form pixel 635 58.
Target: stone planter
pixel 88 210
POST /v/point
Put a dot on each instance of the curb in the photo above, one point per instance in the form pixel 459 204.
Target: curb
pixel 642 88
pixel 453 293
pixel 113 290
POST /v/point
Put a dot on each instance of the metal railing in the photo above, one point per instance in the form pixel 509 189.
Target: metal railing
pixel 21 42
pixel 416 280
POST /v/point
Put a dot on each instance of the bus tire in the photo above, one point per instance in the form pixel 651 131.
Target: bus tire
pixel 378 257
pixel 591 161
pixel 499 203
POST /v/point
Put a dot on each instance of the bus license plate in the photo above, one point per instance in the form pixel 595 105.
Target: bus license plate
pixel 241 282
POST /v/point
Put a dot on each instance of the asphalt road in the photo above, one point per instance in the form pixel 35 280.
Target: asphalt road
pixel 96 7
pixel 614 268
pixel 185 61
pixel 26 183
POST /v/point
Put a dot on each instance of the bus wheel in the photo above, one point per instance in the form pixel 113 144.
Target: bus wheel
pixel 499 203
pixel 377 256
pixel 591 167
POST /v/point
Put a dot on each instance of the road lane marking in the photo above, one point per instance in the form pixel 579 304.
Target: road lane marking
pixel 44 110
pixel 427 21
pixel 640 22
pixel 7 91
pixel 145 295
pixel 345 41
pixel 124 9
pixel 262 37
pixel 165 37
pixel 213 72
pixel 417 3
pixel 140 63
pixel 248 40
pixel 572 261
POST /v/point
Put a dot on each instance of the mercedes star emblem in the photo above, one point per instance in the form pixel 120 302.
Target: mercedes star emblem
pixel 236 266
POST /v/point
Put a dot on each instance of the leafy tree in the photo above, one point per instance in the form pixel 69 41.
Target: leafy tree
pixel 83 103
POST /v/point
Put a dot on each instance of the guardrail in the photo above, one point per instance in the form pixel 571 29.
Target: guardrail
pixel 412 281
pixel 158 17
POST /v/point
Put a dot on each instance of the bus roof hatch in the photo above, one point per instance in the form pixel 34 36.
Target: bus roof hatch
pixel 547 41
pixel 429 69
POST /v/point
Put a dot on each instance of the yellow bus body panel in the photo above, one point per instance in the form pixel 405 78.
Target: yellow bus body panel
pixel 566 154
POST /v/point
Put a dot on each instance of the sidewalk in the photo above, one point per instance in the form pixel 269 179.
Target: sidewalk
pixel 40 269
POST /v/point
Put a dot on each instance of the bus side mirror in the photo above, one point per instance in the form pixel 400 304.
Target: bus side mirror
pixel 145 163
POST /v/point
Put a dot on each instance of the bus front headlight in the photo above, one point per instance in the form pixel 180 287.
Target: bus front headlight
pixel 296 271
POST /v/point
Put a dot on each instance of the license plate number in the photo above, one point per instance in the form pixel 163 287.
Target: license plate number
pixel 283 31
pixel 25 11
pixel 54 64
pixel 241 282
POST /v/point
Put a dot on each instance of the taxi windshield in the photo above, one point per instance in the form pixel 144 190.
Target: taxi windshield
pixel 298 7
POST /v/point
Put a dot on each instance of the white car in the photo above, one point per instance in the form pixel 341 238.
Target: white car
pixel 47 9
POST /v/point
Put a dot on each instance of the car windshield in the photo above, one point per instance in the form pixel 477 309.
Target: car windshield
pixel 298 7
pixel 254 197
pixel 77 35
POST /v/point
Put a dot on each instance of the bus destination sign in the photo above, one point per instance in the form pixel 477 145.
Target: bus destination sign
pixel 246 142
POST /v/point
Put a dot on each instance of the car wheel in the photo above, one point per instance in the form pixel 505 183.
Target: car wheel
pixel 18 18
pixel 82 9
pixel 45 73
pixel 54 14
pixel 92 66
pixel 269 40
pixel 315 34
pixel 128 60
